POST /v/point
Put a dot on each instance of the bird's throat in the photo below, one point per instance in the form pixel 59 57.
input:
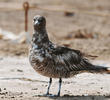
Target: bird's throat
pixel 40 37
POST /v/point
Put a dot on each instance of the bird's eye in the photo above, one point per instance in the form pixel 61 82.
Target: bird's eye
pixel 34 20
pixel 40 20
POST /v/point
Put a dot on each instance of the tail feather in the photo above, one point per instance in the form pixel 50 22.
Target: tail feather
pixel 100 69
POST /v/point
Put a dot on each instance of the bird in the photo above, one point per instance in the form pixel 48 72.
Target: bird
pixel 54 61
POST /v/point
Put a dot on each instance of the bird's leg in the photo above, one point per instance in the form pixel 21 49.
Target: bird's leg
pixel 50 82
pixel 47 94
pixel 60 82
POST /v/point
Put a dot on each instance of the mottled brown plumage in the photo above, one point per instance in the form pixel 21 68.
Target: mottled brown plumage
pixel 55 61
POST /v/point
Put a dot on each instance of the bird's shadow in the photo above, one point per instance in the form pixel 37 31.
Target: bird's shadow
pixel 72 97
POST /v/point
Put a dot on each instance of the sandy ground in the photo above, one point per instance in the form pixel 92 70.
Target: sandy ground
pixel 19 81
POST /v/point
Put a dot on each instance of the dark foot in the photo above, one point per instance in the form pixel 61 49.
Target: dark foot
pixel 58 95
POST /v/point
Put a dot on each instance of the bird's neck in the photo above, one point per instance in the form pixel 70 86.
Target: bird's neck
pixel 40 37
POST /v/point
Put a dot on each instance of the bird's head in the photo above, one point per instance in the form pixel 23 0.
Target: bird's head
pixel 39 22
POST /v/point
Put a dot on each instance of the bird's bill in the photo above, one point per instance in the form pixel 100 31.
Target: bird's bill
pixel 36 22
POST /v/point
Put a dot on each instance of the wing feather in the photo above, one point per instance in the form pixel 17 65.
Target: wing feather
pixel 70 59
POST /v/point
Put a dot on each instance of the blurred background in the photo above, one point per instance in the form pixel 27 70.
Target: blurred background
pixel 78 24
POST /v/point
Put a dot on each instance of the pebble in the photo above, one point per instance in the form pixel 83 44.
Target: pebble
pixel 19 70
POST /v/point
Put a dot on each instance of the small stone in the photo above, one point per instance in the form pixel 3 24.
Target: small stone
pixel 35 89
pixel 19 70
pixel 2 97
pixel 69 14
pixel 20 96
pixel 101 88
pixel 12 97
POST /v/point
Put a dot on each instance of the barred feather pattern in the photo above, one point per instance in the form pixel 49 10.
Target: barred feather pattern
pixel 55 61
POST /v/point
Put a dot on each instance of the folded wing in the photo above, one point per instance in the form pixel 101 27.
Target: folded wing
pixel 70 59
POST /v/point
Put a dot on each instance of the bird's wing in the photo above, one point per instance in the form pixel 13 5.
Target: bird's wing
pixel 71 59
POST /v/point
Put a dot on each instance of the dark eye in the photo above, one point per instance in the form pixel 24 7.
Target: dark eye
pixel 40 20
pixel 34 19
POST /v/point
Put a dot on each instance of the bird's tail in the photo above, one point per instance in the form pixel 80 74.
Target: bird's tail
pixel 100 69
